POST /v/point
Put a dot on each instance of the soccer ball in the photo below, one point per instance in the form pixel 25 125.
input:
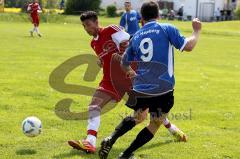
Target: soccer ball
pixel 32 126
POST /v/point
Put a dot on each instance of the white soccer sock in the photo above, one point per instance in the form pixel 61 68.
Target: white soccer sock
pixel 92 139
pixel 37 30
pixel 171 127
pixel 93 123
pixel 166 122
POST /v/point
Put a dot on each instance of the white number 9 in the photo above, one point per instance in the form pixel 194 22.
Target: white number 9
pixel 147 52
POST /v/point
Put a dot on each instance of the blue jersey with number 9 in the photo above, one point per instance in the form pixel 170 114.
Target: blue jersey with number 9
pixel 153 49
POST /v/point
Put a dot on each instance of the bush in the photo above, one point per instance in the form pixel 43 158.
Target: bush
pixel 237 13
pixel 111 11
pixel 79 6
pixel 51 4
pixel 10 3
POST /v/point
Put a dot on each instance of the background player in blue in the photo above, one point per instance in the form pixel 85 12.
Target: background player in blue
pixel 130 19
pixel 153 86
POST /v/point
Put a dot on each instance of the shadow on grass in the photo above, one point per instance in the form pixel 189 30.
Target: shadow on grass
pixel 26 152
pixel 115 151
pixel 113 154
pixel 74 152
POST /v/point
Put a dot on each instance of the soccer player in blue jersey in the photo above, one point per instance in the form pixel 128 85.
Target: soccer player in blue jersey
pixel 153 84
pixel 130 19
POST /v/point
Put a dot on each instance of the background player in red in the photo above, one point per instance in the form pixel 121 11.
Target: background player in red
pixel 106 42
pixel 34 9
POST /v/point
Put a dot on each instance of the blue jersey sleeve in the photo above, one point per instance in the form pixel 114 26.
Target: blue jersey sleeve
pixel 176 39
pixel 123 21
pixel 139 16
pixel 128 56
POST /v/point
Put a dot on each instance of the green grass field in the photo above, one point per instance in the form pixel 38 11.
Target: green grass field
pixel 207 85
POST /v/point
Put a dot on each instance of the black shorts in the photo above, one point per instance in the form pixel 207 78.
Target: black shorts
pixel 157 104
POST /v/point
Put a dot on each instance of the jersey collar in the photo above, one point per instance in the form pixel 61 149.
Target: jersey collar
pixel 150 22
pixel 99 32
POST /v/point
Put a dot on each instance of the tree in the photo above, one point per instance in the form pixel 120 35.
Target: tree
pixel 78 6
pixel 51 3
pixel 10 3
pixel 111 11
pixel 237 13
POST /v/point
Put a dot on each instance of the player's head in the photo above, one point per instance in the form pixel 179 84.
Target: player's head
pixel 35 1
pixel 89 21
pixel 150 11
pixel 128 6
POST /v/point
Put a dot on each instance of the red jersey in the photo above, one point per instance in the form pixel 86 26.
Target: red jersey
pixel 34 8
pixel 107 43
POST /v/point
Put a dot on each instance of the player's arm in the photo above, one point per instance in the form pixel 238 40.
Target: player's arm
pixel 100 63
pixel 99 60
pixel 29 9
pixel 39 9
pixel 125 64
pixel 139 18
pixel 123 21
pixel 179 41
pixel 193 39
pixel 121 39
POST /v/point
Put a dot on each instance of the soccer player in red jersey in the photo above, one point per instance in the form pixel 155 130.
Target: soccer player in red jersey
pixel 106 42
pixel 34 9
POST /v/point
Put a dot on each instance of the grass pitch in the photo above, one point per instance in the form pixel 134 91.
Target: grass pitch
pixel 207 105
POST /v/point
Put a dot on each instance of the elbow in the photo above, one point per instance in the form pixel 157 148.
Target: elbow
pixel 189 48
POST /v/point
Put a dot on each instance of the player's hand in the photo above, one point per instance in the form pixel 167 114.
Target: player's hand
pixel 100 63
pixel 116 57
pixel 196 24
pixel 131 74
pixel 123 46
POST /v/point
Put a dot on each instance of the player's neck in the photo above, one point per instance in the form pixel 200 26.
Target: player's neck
pixel 97 33
pixel 151 20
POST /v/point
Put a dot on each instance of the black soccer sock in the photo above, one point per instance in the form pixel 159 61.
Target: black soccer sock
pixel 142 138
pixel 127 124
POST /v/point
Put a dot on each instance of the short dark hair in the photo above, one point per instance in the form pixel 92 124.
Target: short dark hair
pixel 150 10
pixel 127 2
pixel 88 15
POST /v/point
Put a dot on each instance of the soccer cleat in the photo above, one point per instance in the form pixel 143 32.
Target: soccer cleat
pixel 106 147
pixel 31 33
pixel 40 35
pixel 179 135
pixel 121 156
pixel 83 145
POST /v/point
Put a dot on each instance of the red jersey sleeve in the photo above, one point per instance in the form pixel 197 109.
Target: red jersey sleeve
pixel 119 37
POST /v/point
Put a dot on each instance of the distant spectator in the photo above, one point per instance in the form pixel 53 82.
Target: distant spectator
pixel 171 15
pixel 180 12
pixel 130 19
pixel 217 14
pixel 165 12
pixel 62 3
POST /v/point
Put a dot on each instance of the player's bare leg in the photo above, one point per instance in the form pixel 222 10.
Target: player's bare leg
pixel 144 136
pixel 99 100
pixel 127 124
pixel 33 30
pixel 37 30
pixel 175 131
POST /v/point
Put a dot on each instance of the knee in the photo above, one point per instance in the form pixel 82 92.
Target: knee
pixel 94 108
pixel 156 123
pixel 140 117
pixel 94 111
